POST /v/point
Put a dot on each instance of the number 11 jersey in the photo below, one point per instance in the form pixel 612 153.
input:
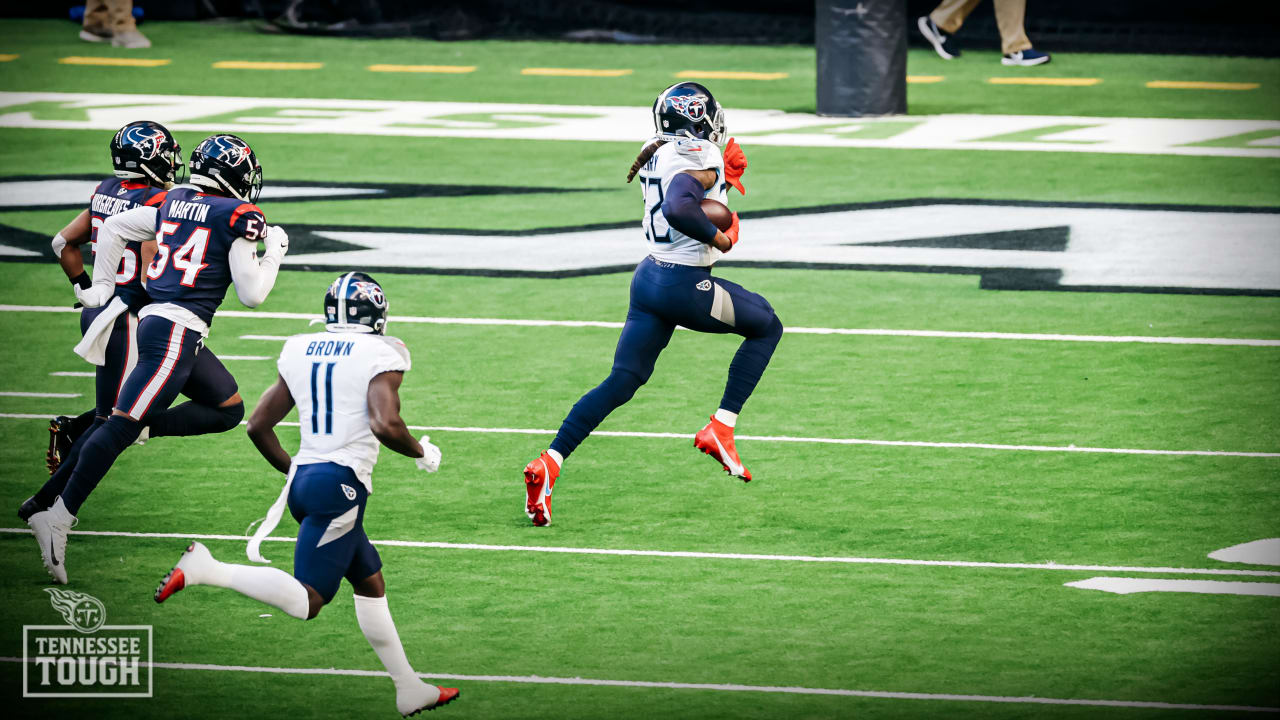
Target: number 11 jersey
pixel 328 375
pixel 192 267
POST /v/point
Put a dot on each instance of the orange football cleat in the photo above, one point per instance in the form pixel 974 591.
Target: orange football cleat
pixel 716 440
pixel 539 479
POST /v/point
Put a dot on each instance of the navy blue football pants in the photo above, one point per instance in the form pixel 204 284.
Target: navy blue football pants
pixel 121 354
pixel 664 295
pixel 167 357
pixel 208 384
pixel 328 502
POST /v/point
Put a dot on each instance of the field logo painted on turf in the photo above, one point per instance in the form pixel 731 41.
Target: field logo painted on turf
pixel 86 657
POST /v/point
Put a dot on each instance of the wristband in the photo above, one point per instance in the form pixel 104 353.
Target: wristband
pixel 58 243
pixel 82 280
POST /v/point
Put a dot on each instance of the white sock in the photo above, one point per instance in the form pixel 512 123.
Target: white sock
pixel 556 456
pixel 726 417
pixel 375 622
pixel 272 586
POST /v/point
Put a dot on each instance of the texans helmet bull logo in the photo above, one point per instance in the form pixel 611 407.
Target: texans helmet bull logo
pixel 146 140
pixel 693 107
pixel 232 151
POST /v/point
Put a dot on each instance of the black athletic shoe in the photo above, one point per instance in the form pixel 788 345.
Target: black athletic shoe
pixel 59 442
pixel 29 508
pixel 945 45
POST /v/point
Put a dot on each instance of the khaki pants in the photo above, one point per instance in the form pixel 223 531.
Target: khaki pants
pixel 950 15
pixel 113 16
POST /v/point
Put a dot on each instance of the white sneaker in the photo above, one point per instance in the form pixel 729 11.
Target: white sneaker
pixel 143 436
pixel 50 528
pixel 130 40
pixel 96 35
pixel 422 696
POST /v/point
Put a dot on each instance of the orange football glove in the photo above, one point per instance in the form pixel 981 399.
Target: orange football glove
pixel 732 232
pixel 735 163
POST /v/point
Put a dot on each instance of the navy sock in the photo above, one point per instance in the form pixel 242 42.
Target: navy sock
pixel 96 457
pixel 594 407
pixel 192 418
pixel 57 482
pixel 81 423
pixel 748 365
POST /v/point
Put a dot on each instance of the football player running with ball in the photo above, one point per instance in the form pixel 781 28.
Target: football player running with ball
pixel 678 168
pixel 345 383
pixel 202 237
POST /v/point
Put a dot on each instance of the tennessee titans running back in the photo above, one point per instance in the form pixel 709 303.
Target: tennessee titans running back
pixel 146 160
pixel 678 168
pixel 345 383
pixel 209 232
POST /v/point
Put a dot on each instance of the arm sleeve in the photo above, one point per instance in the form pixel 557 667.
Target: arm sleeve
pixel 136 225
pixel 682 208
pixel 253 277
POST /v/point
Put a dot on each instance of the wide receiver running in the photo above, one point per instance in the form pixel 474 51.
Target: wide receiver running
pixel 678 168
pixel 345 383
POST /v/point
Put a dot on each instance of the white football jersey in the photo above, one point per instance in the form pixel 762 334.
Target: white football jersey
pixel 328 374
pixel 665 242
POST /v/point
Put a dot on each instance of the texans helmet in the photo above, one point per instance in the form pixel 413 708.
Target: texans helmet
pixel 226 165
pixel 147 151
pixel 687 110
pixel 355 303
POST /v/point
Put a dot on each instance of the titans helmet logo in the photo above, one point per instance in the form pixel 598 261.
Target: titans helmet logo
pixel 693 107
pixel 371 291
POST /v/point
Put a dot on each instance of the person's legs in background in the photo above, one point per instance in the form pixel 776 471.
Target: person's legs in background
pixel 1010 16
pixel 939 26
pixel 124 30
pixel 97 22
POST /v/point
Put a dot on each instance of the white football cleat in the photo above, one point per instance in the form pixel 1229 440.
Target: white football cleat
pixel 50 528
pixel 191 568
pixel 414 700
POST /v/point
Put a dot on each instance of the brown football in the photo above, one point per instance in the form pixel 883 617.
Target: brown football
pixel 718 213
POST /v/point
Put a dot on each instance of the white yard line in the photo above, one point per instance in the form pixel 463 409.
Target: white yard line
pixel 245 357
pixel 715 687
pixel 815 440
pixel 38 394
pixel 1125 586
pixel 692 555
pixel 73 373
pixel 950 334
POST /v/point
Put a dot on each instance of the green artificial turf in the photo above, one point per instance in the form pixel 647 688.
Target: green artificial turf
pixel 193 47
pixel 933 629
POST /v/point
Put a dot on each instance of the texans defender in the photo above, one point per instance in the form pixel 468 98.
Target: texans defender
pixel 147 162
pixel 208 233
pixel 673 286
pixel 345 383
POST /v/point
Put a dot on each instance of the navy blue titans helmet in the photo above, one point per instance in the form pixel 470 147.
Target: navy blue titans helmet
pixel 146 151
pixel 226 165
pixel 355 303
pixel 687 110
